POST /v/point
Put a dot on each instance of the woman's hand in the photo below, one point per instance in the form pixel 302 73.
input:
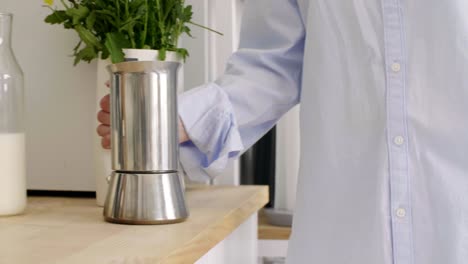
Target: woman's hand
pixel 103 117
pixel 183 137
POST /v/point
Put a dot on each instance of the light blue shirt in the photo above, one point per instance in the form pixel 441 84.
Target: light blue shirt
pixel 383 86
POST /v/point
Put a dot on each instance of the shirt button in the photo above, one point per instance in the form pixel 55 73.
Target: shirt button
pixel 400 212
pixel 399 140
pixel 396 67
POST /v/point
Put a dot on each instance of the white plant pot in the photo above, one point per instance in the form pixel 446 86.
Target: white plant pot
pixel 149 55
pixel 102 157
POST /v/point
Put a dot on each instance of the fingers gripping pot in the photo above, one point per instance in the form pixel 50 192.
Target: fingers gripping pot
pixel 145 187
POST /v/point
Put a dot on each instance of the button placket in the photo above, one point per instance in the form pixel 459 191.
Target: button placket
pixel 397 133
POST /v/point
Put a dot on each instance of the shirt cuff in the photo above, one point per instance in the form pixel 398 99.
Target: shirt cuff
pixel 209 121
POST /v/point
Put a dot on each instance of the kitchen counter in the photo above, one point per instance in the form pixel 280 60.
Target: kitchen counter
pixel 268 231
pixel 221 227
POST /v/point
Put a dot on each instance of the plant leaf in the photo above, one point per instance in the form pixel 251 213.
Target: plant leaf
pixel 183 53
pixel 86 54
pixel 90 20
pixel 187 31
pixel 78 14
pixel 87 37
pixel 162 54
pixel 115 42
pixel 57 17
pixel 75 49
pixel 105 27
pixel 187 14
pixel 104 53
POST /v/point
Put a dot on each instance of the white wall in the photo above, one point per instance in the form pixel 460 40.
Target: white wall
pixel 288 149
pixel 59 100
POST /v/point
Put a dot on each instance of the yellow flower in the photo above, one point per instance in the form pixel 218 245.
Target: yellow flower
pixel 49 2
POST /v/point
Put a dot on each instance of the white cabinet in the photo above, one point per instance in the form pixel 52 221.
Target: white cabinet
pixel 239 247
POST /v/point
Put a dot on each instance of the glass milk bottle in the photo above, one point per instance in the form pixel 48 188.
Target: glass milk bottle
pixel 12 130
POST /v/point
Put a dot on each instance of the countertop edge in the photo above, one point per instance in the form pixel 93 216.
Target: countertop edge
pixel 209 238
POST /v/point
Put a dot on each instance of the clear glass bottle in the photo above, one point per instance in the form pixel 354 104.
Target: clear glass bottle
pixel 12 127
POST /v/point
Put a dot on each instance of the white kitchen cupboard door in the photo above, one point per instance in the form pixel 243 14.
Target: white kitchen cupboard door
pixel 209 52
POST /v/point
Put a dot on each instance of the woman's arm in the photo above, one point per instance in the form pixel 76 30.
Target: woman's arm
pixel 262 82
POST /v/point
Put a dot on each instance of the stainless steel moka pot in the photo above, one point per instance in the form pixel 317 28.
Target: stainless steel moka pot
pixel 145 187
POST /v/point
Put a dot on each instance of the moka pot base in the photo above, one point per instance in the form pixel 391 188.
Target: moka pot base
pixel 145 199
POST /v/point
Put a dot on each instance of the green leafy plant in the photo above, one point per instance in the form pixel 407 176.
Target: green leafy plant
pixel 106 27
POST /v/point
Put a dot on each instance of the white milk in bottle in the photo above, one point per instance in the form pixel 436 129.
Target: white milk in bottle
pixel 12 174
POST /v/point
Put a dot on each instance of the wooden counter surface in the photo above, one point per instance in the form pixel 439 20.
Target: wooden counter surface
pixel 270 232
pixel 72 230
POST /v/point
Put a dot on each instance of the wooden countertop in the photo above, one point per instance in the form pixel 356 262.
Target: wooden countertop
pixel 68 230
pixel 270 232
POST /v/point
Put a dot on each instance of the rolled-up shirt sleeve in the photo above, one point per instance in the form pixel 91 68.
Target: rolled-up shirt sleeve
pixel 262 82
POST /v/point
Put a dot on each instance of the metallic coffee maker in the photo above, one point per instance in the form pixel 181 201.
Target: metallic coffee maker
pixel 145 187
